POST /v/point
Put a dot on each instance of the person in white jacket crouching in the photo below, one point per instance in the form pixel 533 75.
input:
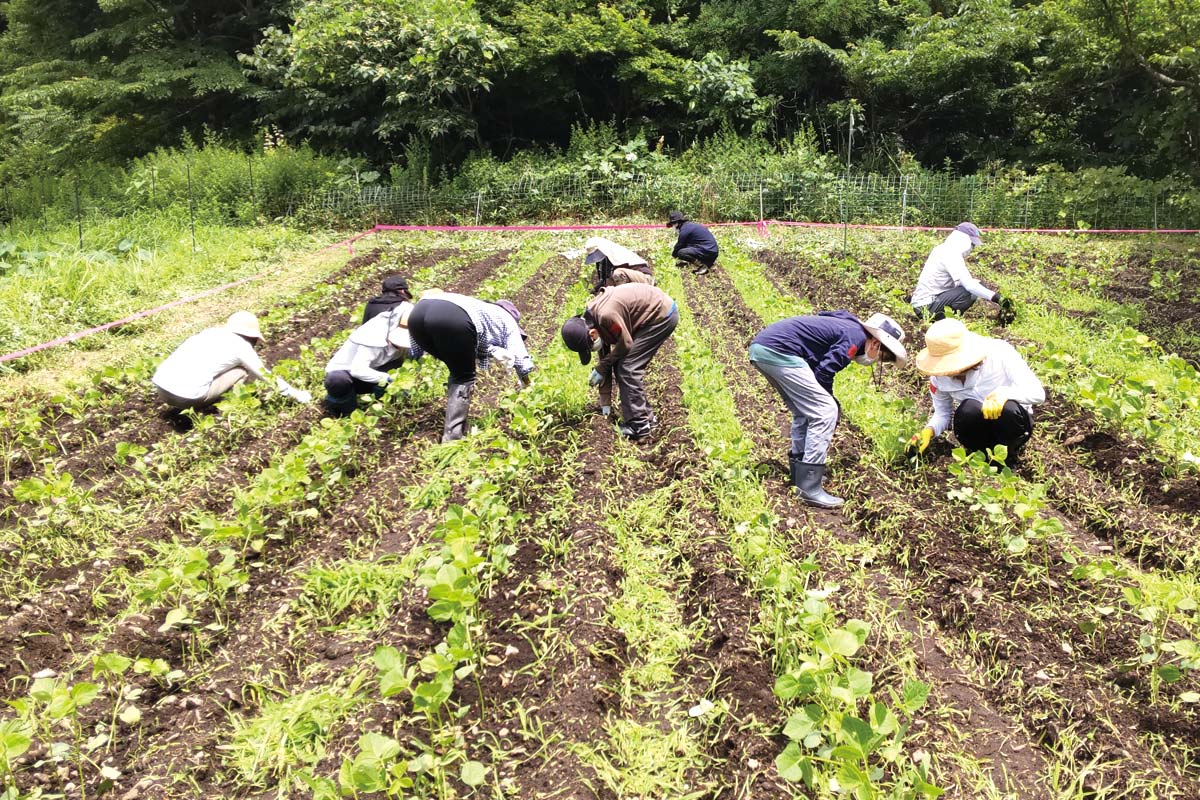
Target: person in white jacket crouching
pixel 213 361
pixel 981 386
pixel 360 366
pixel 946 283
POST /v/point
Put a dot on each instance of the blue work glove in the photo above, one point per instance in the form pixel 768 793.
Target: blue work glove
pixel 596 378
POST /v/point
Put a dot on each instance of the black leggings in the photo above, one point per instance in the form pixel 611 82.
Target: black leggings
pixel 1012 429
pixel 446 332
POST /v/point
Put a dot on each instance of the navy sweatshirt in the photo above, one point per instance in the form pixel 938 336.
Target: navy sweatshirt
pixel 827 342
pixel 693 234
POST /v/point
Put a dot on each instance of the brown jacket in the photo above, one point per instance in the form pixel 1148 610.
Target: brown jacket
pixel 619 312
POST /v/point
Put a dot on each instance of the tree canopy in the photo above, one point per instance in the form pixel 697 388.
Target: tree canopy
pixel 967 84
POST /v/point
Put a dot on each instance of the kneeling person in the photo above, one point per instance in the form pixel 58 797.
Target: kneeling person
pixel 981 386
pixel 799 357
pixel 360 365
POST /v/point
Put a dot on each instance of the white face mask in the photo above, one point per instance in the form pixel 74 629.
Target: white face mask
pixel 597 344
pixel 865 360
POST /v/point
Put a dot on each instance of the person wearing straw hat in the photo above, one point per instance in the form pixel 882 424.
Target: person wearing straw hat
pixel 360 366
pixel 213 361
pixel 946 283
pixel 626 325
pixel 799 357
pixel 466 334
pixel 980 385
pixel 695 246
pixel 615 264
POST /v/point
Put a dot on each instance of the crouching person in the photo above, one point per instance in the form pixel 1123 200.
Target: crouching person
pixel 799 357
pixel 615 264
pixel 213 361
pixel 633 320
pixel 360 365
pixel 980 385
pixel 465 333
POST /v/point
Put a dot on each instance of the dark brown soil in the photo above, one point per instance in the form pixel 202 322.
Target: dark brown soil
pixel 968 588
pixel 955 694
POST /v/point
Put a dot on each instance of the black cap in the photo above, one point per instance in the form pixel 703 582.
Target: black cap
pixel 395 283
pixel 675 217
pixel 576 337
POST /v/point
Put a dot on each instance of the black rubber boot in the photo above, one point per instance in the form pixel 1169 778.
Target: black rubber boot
pixel 458 408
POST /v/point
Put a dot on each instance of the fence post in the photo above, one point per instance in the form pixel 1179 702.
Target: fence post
pixel 760 199
pixel 478 206
pixel 1025 224
pixel 253 197
pixel 971 207
pixel 78 212
pixel 191 207
pixel 904 203
pixel 1156 210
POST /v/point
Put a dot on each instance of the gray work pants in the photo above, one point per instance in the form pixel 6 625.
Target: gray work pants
pixel 814 411
pixel 630 371
pixel 219 386
pixel 957 298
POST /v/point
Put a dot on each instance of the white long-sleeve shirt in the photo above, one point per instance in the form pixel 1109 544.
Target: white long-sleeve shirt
pixel 1002 368
pixel 944 269
pixel 190 370
pixel 368 347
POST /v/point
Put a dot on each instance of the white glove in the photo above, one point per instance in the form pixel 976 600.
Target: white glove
pixel 502 357
pixel 291 392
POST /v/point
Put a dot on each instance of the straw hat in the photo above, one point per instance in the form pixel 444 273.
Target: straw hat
pixel 243 323
pixel 889 334
pixel 950 348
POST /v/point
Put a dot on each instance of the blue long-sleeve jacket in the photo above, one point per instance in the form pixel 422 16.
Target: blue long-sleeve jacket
pixel 827 342
pixel 693 234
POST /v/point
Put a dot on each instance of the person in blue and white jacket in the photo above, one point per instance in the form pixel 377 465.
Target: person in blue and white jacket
pixel 945 282
pixel 360 366
pixel 799 357
pixel 981 386
pixel 464 333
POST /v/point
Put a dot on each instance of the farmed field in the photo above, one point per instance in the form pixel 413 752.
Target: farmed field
pixel 264 599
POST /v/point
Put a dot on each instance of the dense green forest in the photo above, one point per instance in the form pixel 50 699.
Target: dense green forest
pixel 968 85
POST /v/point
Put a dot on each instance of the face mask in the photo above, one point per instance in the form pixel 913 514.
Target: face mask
pixel 865 360
pixel 597 344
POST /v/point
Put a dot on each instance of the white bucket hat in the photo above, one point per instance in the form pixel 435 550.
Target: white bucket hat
pixel 889 334
pixel 950 348
pixel 599 248
pixel 243 323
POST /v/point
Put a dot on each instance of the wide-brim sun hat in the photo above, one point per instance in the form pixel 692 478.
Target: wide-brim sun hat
pixel 243 323
pixel 576 337
pixel 950 348
pixel 593 247
pixel 889 334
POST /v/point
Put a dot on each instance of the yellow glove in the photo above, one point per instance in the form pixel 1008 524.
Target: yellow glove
pixel 993 404
pixel 919 442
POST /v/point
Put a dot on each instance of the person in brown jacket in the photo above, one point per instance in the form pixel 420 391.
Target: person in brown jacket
pixel 632 321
